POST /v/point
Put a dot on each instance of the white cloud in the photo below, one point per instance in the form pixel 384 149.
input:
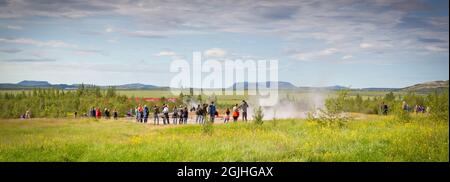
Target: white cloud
pixel 380 46
pixel 436 49
pixel 113 40
pixel 13 27
pixel 309 56
pixel 348 22
pixel 50 43
pixel 109 30
pixel 85 52
pixel 347 57
pixel 365 45
pixel 215 52
pixel 145 34
pixel 171 54
pixel 166 53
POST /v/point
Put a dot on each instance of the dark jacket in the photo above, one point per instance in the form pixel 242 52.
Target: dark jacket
pixel 212 109
pixel 146 112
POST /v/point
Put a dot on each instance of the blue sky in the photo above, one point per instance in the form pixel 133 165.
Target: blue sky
pixel 378 43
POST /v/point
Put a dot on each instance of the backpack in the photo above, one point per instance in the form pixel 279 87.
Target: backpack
pixel 235 114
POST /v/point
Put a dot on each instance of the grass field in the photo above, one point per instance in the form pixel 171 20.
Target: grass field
pixel 373 138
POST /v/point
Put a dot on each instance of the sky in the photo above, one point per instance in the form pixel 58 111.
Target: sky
pixel 354 43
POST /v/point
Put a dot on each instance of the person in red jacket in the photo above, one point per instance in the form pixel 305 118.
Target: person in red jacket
pixel 98 113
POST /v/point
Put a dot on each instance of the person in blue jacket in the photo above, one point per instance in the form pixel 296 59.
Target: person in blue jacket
pixel 146 113
pixel 212 111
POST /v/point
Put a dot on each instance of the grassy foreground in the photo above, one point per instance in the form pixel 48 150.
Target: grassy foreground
pixel 374 138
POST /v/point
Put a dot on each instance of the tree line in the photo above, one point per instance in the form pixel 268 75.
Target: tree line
pixel 56 103
pixel 62 103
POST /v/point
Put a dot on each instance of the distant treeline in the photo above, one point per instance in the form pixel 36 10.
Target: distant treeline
pixel 54 102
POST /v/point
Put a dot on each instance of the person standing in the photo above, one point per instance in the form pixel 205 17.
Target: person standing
pixel 227 116
pixel 27 114
pixel 136 111
pixel 166 114
pixel 198 115
pixel 212 111
pixel 175 115
pixel 98 113
pixel 106 113
pixel 141 113
pixel 185 115
pixel 405 106
pixel 244 107
pixel 181 114
pixel 155 114
pixel 92 112
pixel 235 113
pixel 204 112
pixel 146 113
pixel 115 114
pixel 385 109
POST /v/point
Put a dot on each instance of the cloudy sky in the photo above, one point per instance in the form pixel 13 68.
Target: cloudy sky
pixel 377 43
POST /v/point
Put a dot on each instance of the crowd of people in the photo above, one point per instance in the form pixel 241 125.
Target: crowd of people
pixel 406 107
pixel 203 112
pixel 176 114
pixel 97 113
pixel 180 114
pixel 416 109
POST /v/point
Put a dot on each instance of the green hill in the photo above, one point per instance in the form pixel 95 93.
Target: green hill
pixel 428 86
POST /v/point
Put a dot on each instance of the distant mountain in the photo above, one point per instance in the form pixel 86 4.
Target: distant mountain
pixel 285 85
pixel 379 89
pixel 29 84
pixel 281 85
pixel 336 87
pixel 428 86
pixel 421 87
pixel 9 86
pixel 136 86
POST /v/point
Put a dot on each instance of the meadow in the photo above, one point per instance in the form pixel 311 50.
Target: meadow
pixel 369 138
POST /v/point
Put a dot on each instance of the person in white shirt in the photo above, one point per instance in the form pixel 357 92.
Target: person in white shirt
pixel 166 114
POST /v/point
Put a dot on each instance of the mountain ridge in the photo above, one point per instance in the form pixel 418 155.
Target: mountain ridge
pixel 419 87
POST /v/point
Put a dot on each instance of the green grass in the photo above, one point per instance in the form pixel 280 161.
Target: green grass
pixel 374 138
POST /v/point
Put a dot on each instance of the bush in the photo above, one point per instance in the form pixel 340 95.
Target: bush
pixel 327 118
pixel 334 112
pixel 401 115
pixel 207 127
pixel 258 116
pixel 438 106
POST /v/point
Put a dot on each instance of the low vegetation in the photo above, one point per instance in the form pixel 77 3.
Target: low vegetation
pixel 375 138
pixel 332 134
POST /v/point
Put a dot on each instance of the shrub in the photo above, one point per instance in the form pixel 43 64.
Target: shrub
pixel 402 115
pixel 438 106
pixel 258 116
pixel 334 112
pixel 207 127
